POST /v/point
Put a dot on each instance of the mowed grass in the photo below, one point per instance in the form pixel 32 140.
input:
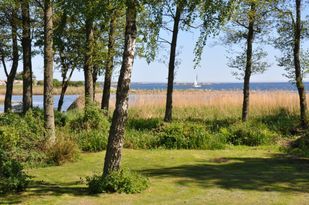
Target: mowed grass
pixel 236 175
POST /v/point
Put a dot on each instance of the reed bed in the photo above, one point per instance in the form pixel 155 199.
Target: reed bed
pixel 212 104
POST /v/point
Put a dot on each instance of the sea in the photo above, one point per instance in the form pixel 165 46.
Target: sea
pixel 69 99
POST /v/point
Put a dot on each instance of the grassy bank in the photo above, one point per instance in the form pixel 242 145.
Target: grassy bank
pixel 233 176
pixel 38 90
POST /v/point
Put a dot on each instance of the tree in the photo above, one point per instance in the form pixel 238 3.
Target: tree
pixel 27 63
pixel 184 14
pixel 9 16
pixel 68 43
pixel 49 121
pixel 115 140
pixel 248 24
pixel 109 65
pixel 180 11
pixel 293 30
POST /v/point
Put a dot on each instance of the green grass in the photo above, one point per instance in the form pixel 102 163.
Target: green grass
pixel 237 175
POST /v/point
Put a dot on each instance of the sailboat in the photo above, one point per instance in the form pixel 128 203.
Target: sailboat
pixel 195 84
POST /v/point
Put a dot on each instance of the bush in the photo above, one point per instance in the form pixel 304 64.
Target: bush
pixel 64 150
pixel 91 141
pixel 12 176
pixel 299 147
pixel 60 119
pixel 92 119
pixel 281 121
pixel 90 129
pixel 135 139
pixel 250 134
pixel 144 124
pixel 122 181
pixel 188 136
pixel 22 137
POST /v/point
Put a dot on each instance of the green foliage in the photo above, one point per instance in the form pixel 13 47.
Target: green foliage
pixel 144 124
pixel 282 121
pixel 250 134
pixel 135 139
pixel 299 147
pixel 12 176
pixel 189 136
pixel 92 119
pixel 123 181
pixel 90 129
pixel 22 137
pixel 92 141
pixel 60 119
pixel 76 83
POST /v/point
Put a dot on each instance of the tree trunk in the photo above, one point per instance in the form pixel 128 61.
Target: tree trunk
pixel 49 121
pixel 88 66
pixel 115 140
pixel 11 76
pixel 171 68
pixel 94 79
pixel 64 87
pixel 27 65
pixel 109 64
pixel 298 71
pixel 248 70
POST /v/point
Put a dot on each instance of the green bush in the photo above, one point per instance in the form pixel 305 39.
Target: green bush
pixel 12 176
pixel 91 119
pixel 299 147
pixel 90 129
pixel 91 141
pixel 22 137
pixel 60 119
pixel 135 139
pixel 250 134
pixel 281 121
pixel 144 124
pixel 122 181
pixel 188 136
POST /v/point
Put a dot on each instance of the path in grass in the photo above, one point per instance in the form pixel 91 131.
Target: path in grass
pixel 236 176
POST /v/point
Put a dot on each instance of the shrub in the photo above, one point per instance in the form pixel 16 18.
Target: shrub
pixel 250 134
pixel 12 176
pixel 188 136
pixel 123 181
pixel 281 121
pixel 299 147
pixel 92 118
pixel 144 124
pixel 91 141
pixel 135 139
pixel 22 137
pixel 60 119
pixel 64 150
pixel 90 129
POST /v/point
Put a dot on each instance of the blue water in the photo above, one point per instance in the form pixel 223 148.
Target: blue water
pixel 218 86
pixel 38 101
pixel 69 99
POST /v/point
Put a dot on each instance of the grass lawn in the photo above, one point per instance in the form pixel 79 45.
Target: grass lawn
pixel 238 175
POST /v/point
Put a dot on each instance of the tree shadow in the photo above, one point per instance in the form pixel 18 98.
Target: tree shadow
pixel 260 174
pixel 41 189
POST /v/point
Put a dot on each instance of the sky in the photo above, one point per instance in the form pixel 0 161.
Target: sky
pixel 213 65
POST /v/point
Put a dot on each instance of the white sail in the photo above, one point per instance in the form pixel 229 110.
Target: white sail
pixel 195 84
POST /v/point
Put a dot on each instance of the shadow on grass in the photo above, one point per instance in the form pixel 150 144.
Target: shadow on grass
pixel 41 189
pixel 260 174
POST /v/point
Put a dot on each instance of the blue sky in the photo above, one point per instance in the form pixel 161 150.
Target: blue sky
pixel 213 66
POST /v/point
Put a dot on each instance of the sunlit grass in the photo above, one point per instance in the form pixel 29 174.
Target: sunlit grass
pixel 237 175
